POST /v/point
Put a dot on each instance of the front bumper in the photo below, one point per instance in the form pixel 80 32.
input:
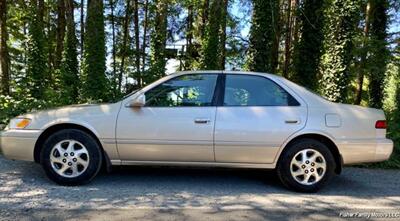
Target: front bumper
pixel 19 144
pixel 365 151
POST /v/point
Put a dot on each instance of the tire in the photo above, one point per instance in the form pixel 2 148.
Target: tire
pixel 306 174
pixel 71 157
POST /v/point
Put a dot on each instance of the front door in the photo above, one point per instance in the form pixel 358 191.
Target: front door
pixel 176 124
pixel 256 117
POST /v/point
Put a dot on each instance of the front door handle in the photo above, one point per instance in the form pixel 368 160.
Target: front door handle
pixel 292 121
pixel 201 120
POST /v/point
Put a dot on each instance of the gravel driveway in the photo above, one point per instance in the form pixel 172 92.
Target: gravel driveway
pixel 154 193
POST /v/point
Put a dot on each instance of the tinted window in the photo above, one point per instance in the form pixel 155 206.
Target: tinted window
pixel 247 90
pixel 185 90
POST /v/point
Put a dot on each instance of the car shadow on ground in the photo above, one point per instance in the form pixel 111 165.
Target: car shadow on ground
pixel 190 191
pixel 217 181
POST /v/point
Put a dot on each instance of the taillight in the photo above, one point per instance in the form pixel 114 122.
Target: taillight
pixel 381 124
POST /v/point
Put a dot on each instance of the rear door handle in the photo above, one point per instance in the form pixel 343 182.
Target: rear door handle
pixel 202 121
pixel 292 121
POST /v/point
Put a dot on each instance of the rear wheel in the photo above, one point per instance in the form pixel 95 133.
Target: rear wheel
pixel 71 157
pixel 306 165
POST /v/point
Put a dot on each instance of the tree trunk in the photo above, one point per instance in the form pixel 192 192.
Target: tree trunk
pixel 159 40
pixel 95 85
pixel 204 18
pixel 69 15
pixel 276 24
pixel 137 43
pixel 146 7
pixel 308 47
pixel 189 39
pixel 124 43
pixel 222 42
pixel 212 45
pixel 335 65
pixel 361 70
pixel 50 37
pixel 40 10
pixel 288 38
pixel 37 55
pixel 378 52
pixel 113 43
pixel 82 34
pixel 25 32
pixel 295 15
pixel 61 23
pixel 4 56
pixel 69 67
pixel 262 54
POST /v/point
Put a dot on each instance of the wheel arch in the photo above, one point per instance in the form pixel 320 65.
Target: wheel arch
pixel 325 140
pixel 60 126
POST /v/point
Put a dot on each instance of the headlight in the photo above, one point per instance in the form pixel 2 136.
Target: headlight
pixel 19 123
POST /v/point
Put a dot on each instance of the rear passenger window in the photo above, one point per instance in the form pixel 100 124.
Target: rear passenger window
pixel 250 90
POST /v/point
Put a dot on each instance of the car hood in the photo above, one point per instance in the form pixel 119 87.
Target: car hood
pixel 64 110
pixel 72 114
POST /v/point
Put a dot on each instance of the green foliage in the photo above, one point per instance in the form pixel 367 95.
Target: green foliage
pixel 378 52
pixel 211 55
pixel 158 41
pixel 391 106
pixel 37 69
pixel 340 23
pixel 262 36
pixel 308 50
pixel 95 85
pixel 69 69
pixel 13 106
pixel 328 47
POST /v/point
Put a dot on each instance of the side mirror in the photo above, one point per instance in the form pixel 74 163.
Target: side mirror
pixel 139 101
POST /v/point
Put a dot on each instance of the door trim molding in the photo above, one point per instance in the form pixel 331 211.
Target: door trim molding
pixel 166 142
pixel 195 164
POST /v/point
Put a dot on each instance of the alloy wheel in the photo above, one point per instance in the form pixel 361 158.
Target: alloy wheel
pixel 69 158
pixel 308 166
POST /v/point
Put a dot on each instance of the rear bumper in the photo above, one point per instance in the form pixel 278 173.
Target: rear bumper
pixel 365 151
pixel 384 149
pixel 19 144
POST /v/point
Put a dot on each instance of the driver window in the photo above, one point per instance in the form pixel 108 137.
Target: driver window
pixel 184 91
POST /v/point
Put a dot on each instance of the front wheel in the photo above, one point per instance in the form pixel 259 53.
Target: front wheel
pixel 71 157
pixel 306 165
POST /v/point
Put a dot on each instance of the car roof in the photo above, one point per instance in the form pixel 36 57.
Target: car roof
pixel 310 97
pixel 225 72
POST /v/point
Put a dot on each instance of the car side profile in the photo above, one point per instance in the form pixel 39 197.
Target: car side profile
pixel 204 118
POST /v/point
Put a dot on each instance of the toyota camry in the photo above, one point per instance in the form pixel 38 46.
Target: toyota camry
pixel 205 118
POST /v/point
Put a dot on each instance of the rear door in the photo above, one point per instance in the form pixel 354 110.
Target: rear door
pixel 256 116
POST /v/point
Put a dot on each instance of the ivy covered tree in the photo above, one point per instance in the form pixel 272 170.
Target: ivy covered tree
pixel 60 32
pixel 159 40
pixel 378 51
pixel 37 69
pixel 339 28
pixel 395 114
pixel 4 56
pixel 308 51
pixel 95 84
pixel 263 33
pixel 213 45
pixel 69 79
